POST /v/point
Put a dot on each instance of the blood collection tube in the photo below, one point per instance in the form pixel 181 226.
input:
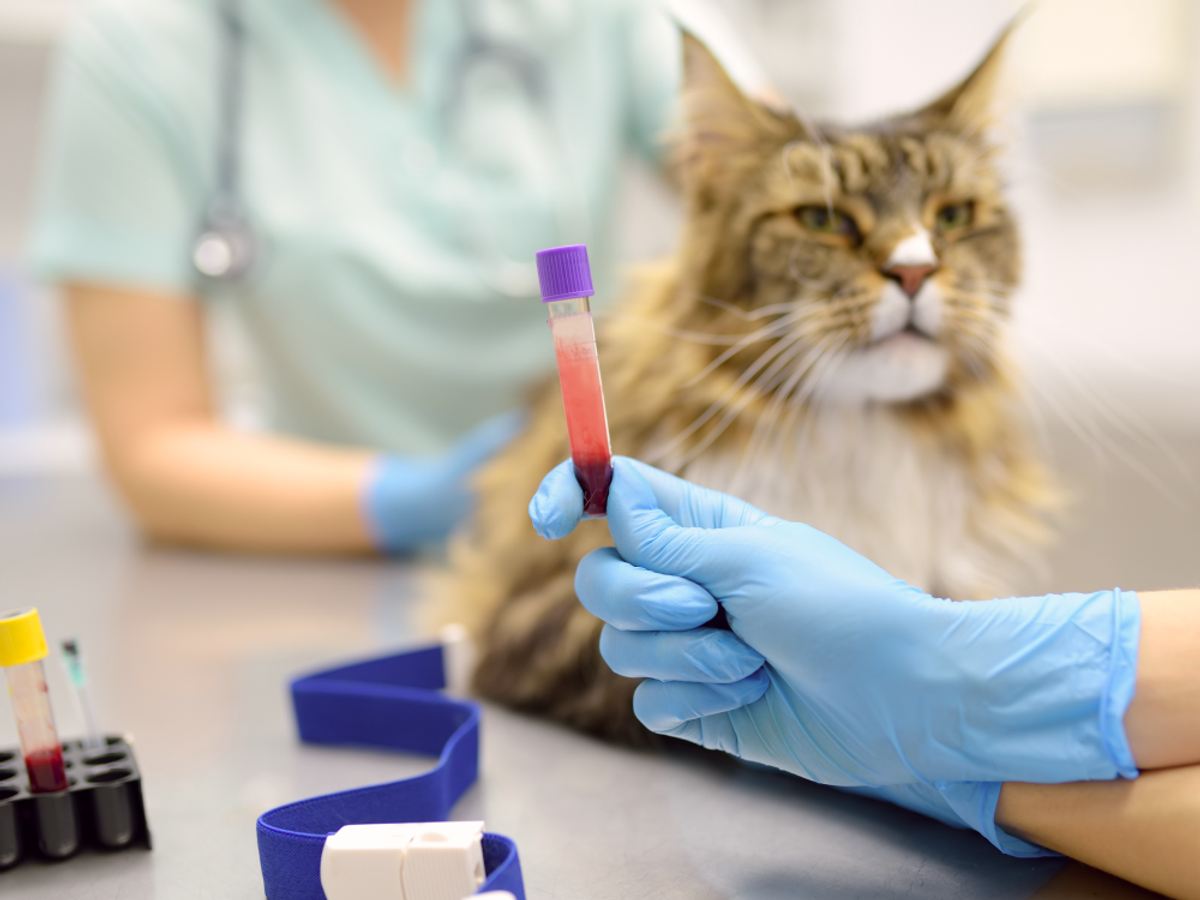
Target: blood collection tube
pixel 566 282
pixel 22 649
pixel 93 740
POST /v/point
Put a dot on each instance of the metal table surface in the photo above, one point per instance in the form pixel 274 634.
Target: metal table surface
pixel 190 654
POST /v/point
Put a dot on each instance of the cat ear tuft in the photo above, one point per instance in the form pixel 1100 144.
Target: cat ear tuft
pixel 722 128
pixel 970 106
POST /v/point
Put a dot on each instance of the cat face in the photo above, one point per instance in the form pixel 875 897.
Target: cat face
pixel 881 257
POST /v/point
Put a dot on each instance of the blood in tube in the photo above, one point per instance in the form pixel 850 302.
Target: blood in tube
pixel 46 771
pixel 587 423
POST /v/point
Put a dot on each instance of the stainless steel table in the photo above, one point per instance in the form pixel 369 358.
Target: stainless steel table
pixel 190 653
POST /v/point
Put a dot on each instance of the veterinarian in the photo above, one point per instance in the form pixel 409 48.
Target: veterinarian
pixel 978 714
pixel 359 185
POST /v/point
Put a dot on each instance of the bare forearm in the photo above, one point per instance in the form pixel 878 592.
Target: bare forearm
pixel 1163 721
pixel 143 368
pixel 1146 831
pixel 200 483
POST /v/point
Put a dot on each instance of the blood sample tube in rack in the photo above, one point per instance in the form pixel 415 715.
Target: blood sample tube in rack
pixel 22 649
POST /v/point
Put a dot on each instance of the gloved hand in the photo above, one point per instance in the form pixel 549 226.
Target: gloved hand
pixel 835 670
pixel 409 501
pixel 961 804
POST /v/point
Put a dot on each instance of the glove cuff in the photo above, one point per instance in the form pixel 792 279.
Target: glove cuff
pixel 1122 680
pixel 408 503
pixel 975 803
pixel 1047 683
pixel 374 504
pixel 960 804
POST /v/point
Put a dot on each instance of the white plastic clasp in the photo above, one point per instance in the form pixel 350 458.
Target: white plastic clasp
pixel 408 861
pixel 458 658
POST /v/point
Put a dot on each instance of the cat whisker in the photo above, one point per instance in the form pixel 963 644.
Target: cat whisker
pixel 967 312
pixel 995 287
pixel 753 391
pixel 697 337
pixel 782 382
pixel 764 359
pixel 759 387
pixel 1037 417
pixel 1094 439
pixel 966 296
pixel 796 394
pixel 797 316
pixel 780 308
pixel 768 421
pixel 1128 364
pixel 747 315
pixel 783 323
pixel 1127 422
pixel 810 391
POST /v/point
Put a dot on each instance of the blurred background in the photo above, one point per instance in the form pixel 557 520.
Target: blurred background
pixel 1104 170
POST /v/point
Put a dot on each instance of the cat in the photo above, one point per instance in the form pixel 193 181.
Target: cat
pixel 828 344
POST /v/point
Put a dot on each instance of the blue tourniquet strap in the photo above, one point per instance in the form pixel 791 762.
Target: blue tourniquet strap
pixel 392 703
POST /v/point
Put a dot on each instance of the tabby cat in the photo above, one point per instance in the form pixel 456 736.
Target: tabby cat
pixel 827 344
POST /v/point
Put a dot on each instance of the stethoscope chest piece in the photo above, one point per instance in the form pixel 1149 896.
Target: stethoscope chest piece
pixel 226 247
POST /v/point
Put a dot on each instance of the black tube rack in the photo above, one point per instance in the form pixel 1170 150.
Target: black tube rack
pixel 102 808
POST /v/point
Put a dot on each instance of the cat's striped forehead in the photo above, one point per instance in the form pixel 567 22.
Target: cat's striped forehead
pixel 881 165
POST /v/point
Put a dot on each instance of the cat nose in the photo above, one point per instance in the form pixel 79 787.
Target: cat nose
pixel 910 277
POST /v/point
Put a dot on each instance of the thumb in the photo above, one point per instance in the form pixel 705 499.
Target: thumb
pixel 557 507
pixel 646 536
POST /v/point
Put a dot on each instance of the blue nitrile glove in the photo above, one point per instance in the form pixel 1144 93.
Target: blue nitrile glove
pixel 412 500
pixel 835 670
pixel 962 804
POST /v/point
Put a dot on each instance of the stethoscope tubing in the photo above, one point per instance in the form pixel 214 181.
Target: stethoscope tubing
pixel 227 248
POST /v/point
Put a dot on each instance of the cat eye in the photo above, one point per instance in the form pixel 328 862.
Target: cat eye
pixel 826 220
pixel 954 216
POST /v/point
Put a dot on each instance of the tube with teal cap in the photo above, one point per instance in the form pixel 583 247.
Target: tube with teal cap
pixel 93 740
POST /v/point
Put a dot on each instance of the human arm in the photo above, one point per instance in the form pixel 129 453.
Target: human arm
pixel 1163 721
pixel 184 475
pixel 1146 830
pixel 189 478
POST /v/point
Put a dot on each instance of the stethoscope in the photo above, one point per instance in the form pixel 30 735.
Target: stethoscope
pixel 227 248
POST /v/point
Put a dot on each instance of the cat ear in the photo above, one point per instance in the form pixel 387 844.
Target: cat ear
pixel 722 128
pixel 970 106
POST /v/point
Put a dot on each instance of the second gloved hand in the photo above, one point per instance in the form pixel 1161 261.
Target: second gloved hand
pixel 834 669
pixel 411 501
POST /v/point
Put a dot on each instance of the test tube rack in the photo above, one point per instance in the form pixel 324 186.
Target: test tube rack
pixel 102 808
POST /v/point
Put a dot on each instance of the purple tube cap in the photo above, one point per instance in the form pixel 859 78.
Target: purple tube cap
pixel 563 273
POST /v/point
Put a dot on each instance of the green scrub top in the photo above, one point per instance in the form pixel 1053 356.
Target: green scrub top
pixel 393 304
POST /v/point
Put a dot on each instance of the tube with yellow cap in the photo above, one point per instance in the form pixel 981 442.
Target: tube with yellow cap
pixel 22 649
